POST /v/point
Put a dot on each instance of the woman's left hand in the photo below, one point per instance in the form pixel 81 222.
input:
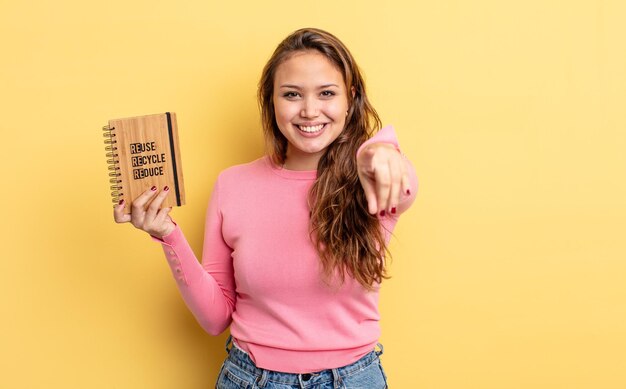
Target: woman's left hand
pixel 383 175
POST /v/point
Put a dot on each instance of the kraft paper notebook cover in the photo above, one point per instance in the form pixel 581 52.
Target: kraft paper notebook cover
pixel 142 152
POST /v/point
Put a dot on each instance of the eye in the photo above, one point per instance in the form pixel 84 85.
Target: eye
pixel 328 93
pixel 290 95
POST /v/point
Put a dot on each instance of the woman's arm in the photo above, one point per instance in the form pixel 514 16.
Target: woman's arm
pixel 208 288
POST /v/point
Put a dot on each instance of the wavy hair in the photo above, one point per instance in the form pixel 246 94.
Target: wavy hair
pixel 348 238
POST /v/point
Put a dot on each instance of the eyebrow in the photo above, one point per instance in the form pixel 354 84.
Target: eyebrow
pixel 297 87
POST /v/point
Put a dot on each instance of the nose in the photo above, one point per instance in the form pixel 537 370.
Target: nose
pixel 310 108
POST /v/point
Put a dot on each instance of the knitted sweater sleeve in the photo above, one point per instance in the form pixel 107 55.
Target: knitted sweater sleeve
pixel 208 288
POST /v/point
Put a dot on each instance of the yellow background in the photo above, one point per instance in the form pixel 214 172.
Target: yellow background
pixel 508 271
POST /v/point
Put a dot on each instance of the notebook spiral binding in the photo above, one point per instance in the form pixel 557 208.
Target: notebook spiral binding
pixel 113 162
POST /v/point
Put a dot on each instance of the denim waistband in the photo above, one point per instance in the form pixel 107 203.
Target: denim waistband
pixel 242 360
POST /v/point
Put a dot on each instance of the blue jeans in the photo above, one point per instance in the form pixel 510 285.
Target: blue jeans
pixel 239 372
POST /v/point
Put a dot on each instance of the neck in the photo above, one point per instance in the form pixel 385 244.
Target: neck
pixel 303 161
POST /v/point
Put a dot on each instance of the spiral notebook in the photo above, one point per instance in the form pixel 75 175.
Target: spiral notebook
pixel 142 152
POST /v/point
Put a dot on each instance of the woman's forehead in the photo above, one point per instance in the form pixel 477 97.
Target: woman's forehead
pixel 308 69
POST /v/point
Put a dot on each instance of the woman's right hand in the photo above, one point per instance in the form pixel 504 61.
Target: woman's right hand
pixel 151 220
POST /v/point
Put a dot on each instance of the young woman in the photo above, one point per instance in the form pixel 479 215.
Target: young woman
pixel 295 241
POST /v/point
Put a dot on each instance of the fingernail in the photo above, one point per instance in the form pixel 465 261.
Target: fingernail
pixel 393 210
pixel 121 202
pixel 166 188
pixel 153 188
pixel 382 213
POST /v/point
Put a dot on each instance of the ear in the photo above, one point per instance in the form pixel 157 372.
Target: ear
pixel 353 90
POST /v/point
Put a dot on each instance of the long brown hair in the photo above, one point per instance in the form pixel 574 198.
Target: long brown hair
pixel 347 237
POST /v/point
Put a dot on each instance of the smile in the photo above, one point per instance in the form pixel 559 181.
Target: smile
pixel 311 129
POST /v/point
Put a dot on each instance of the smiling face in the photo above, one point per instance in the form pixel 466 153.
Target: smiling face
pixel 310 105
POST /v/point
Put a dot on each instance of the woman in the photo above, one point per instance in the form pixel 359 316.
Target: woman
pixel 295 241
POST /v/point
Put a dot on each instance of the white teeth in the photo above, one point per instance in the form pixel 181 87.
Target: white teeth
pixel 311 129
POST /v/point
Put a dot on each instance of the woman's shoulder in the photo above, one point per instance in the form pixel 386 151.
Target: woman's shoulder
pixel 246 171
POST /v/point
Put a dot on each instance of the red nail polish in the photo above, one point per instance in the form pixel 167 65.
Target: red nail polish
pixel 382 213
pixel 166 188
pixel 121 202
pixel 153 188
pixel 393 210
